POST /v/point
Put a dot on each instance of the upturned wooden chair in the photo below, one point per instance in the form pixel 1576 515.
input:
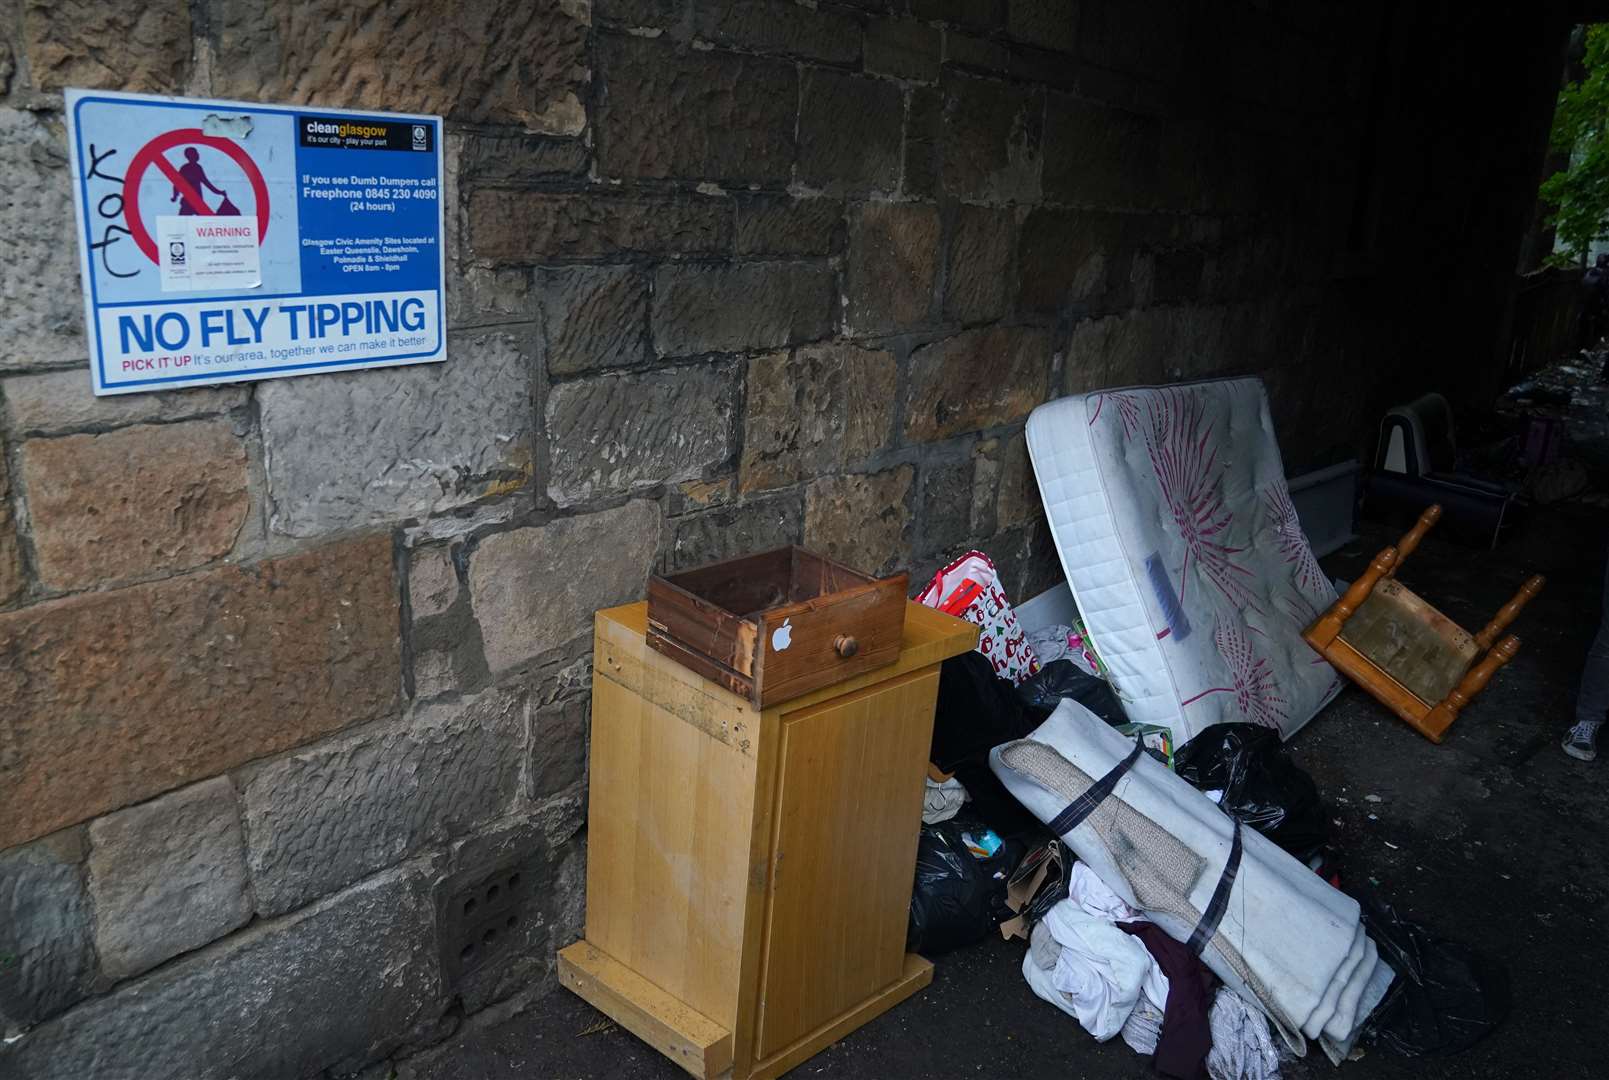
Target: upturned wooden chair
pixel 1411 657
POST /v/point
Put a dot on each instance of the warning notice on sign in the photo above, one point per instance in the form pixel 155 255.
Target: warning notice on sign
pixel 225 242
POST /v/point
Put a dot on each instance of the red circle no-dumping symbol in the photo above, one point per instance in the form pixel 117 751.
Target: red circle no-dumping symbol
pixel 190 182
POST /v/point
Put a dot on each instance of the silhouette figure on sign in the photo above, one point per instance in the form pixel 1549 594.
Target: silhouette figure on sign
pixel 193 172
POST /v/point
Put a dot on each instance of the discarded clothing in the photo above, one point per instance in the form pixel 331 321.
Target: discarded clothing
pixel 1067 641
pixel 1143 1029
pixel 977 711
pixel 1185 1037
pixel 1092 894
pixel 1242 1048
pixel 1272 929
pixel 1050 642
pixel 940 801
pixel 1089 969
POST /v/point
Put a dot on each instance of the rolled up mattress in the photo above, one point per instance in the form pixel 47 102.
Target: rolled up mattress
pixel 1274 931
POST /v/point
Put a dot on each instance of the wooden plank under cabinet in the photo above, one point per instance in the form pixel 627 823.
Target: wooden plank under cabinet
pixel 749 870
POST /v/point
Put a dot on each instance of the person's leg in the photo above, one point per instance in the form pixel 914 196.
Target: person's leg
pixel 1592 699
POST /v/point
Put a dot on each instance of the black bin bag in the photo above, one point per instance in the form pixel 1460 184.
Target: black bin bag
pixel 958 899
pixel 1041 692
pixel 1446 997
pixel 1262 787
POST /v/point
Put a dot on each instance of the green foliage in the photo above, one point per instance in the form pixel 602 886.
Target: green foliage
pixel 1579 194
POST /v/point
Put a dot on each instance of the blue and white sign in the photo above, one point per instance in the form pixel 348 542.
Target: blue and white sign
pixel 226 242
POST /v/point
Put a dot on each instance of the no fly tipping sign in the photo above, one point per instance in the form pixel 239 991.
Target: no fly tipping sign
pixel 226 242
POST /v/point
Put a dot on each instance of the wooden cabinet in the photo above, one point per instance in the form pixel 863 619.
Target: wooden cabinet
pixel 749 871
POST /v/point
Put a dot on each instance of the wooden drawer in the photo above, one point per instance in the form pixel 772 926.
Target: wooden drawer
pixel 773 626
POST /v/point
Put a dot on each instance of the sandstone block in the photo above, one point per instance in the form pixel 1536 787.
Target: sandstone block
pixel 985 486
pixel 779 26
pixel 11 576
pixel 652 13
pixel 893 261
pixel 45 933
pixel 946 507
pixel 987 141
pixel 740 306
pixel 1069 257
pixel 850 131
pixel 432 581
pixel 593 317
pixel 924 132
pixel 433 436
pixel 814 411
pixel 519 155
pixel 335 986
pixel 863 522
pixel 567 904
pixel 167 876
pixel 903 48
pixel 1100 157
pixel 1049 23
pixel 523 227
pixel 626 433
pixel 535 589
pixel 322 818
pixel 978 281
pixel 729 531
pixel 1018 500
pixel 559 746
pixel 1118 350
pixel 978 14
pixel 106 508
pixel 113 697
pixel 783 225
pixel 60 403
pixel 984 54
pixel 1041 563
pixel 693 495
pixel 501 62
pixel 107 46
pixel 976 379
pixel 673 113
pixel 41 305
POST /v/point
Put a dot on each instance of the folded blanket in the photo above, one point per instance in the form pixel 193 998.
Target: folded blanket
pixel 1284 938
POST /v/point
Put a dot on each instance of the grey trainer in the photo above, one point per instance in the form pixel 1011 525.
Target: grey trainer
pixel 1581 742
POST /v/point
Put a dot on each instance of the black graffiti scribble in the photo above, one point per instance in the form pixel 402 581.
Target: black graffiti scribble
pixel 110 210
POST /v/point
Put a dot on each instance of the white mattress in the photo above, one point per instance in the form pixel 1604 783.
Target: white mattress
pixel 1170 513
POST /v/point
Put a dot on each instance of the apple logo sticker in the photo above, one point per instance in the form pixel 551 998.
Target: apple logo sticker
pixel 782 636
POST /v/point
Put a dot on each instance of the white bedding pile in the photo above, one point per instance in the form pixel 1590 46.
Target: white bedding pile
pixel 1287 940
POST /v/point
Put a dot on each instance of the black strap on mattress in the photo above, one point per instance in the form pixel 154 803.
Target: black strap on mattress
pixel 1220 899
pixel 1081 807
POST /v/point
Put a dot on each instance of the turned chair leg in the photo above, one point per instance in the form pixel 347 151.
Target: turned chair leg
pixel 1509 611
pixel 1327 627
pixel 1410 542
pixel 1440 718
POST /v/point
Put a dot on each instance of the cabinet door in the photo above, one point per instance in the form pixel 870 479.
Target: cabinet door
pixel 848 807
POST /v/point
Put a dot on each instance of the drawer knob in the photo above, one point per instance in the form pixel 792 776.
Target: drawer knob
pixel 845 646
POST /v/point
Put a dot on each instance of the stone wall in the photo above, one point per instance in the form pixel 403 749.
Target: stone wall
pixel 723 275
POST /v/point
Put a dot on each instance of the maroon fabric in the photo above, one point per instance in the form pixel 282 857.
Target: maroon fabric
pixel 1181 1052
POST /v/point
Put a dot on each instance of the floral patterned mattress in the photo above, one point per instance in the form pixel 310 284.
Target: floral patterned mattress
pixel 1175 528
